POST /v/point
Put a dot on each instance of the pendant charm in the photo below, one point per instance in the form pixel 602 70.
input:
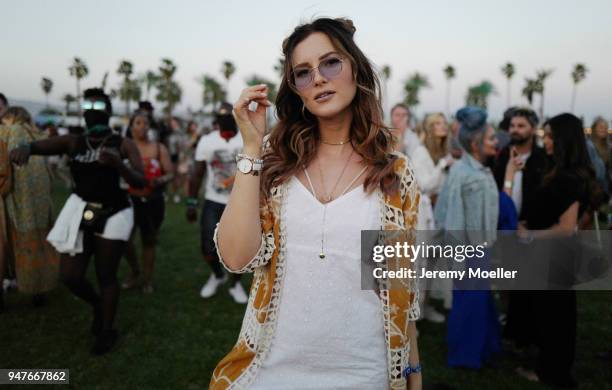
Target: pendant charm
pixel 321 255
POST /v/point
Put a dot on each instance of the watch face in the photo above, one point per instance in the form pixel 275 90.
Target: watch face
pixel 245 165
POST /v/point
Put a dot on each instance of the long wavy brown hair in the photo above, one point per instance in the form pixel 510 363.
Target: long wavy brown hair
pixel 293 142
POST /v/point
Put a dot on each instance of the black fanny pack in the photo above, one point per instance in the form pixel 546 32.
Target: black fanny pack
pixel 95 216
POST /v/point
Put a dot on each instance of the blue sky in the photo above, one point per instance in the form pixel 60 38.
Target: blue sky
pixel 477 37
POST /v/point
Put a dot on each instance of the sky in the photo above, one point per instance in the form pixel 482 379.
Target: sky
pixel 477 37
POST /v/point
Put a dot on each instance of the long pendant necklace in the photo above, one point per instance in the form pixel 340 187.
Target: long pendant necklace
pixel 328 198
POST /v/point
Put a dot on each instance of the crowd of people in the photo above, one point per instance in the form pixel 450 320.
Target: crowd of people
pixel 540 185
pixel 274 204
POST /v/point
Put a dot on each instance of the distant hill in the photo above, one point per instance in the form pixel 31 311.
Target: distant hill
pixel 33 107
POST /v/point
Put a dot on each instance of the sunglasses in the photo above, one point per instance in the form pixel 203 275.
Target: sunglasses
pixel 93 105
pixel 328 68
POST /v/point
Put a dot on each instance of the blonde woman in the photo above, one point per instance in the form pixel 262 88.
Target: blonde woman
pixel 429 176
pixel 437 136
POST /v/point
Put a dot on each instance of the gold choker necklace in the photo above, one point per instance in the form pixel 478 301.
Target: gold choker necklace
pixel 340 143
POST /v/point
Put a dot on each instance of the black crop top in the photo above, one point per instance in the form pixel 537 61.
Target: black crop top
pixel 95 182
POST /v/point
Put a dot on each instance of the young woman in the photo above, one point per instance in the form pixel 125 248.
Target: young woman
pixel 431 161
pixel 329 171
pixel 567 192
pixel 25 211
pixel 469 204
pixel 438 144
pixel 149 204
pixel 97 218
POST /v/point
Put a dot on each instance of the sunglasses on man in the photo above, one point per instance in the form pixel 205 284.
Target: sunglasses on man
pixel 93 105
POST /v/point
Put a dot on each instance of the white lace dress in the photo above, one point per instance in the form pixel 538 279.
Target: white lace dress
pixel 329 333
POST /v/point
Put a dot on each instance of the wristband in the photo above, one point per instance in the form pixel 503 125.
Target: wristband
pixel 508 184
pixel 192 202
pixel 409 370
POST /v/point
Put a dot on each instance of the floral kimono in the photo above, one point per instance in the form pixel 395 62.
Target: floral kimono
pixel 398 212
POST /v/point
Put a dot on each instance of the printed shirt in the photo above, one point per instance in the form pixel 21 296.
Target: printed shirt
pixel 220 157
pixel 398 212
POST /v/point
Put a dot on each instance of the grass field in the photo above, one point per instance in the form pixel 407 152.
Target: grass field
pixel 173 339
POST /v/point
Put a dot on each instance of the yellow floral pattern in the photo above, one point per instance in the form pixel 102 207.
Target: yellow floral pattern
pixel 399 211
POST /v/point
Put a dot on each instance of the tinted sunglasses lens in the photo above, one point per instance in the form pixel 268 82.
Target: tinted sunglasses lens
pixel 302 78
pixel 330 67
pixel 99 106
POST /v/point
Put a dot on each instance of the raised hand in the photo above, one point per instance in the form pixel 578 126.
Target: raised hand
pixel 252 124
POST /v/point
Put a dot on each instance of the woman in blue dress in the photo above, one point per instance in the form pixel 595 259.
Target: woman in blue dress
pixel 468 210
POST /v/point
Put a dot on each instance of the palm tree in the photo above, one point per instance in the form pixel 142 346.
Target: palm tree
pixel 169 91
pixel 508 71
pixel 78 70
pixel 541 77
pixel 68 99
pixel 279 68
pixel 578 74
pixel 450 74
pixel 127 87
pixel 412 87
pixel 478 95
pixel 228 69
pixel 104 80
pixel 212 92
pixel 47 85
pixel 529 90
pixel 386 75
pixel 171 94
pixel 167 69
pixel 149 80
pixel 129 91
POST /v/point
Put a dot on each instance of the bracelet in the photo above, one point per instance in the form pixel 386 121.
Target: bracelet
pixel 192 202
pixel 409 370
pixel 254 159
